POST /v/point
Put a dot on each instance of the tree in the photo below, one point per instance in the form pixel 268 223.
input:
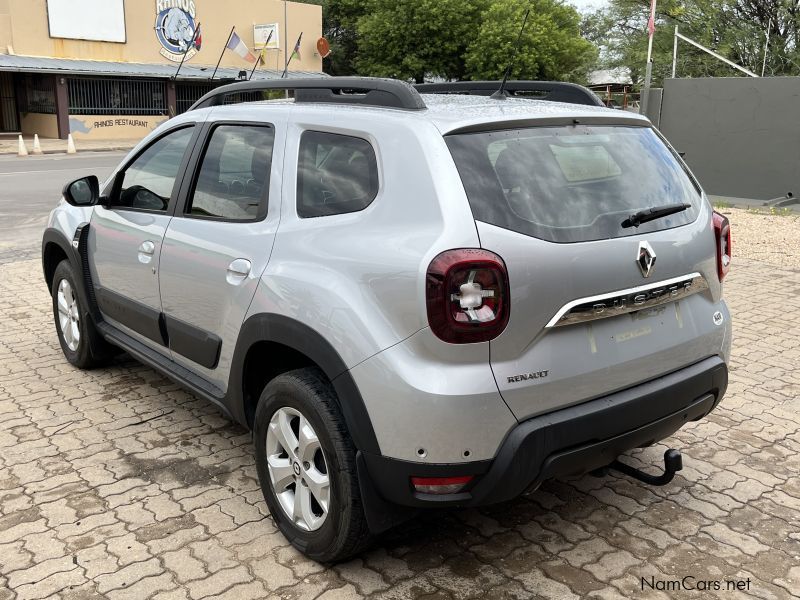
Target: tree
pixel 735 29
pixel 454 39
pixel 412 39
pixel 551 46
pixel 339 21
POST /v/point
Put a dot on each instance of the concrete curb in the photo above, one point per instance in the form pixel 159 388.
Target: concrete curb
pixel 108 149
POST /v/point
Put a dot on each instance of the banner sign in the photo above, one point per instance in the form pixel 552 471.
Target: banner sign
pixel 261 35
pixel 96 20
pixel 175 26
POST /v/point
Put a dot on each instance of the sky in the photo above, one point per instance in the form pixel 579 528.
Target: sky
pixel 584 5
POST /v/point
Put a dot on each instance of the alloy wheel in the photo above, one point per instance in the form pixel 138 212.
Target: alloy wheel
pixel 68 315
pixel 298 471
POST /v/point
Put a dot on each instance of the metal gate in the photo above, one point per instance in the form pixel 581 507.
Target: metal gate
pixel 9 117
pixel 187 93
pixel 116 96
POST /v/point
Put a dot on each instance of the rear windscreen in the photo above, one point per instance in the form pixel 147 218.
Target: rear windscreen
pixel 571 184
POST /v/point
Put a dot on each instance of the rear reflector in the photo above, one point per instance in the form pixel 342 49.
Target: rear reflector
pixel 440 485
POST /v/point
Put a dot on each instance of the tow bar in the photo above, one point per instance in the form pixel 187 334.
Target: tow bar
pixel 673 462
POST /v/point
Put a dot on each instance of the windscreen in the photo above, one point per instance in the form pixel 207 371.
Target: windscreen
pixel 572 183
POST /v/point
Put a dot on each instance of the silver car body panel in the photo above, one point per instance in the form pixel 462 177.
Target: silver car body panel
pixel 116 262
pixel 434 402
pixel 116 241
pixel 588 360
pixel 358 280
pixel 196 286
pixel 66 219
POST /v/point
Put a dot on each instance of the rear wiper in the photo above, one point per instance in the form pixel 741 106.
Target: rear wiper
pixel 651 214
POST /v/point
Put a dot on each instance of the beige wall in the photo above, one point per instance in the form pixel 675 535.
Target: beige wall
pixel 91 127
pixel 34 123
pixel 23 26
pixel 100 127
pixel 5 25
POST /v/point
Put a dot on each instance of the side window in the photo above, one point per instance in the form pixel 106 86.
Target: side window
pixel 233 180
pixel 336 174
pixel 148 181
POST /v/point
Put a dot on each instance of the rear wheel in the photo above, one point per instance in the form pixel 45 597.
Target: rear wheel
pixel 307 468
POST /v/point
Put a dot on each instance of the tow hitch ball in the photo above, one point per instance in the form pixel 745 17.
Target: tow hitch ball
pixel 673 462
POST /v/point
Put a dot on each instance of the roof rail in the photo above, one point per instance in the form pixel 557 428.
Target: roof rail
pixel 554 91
pixel 363 91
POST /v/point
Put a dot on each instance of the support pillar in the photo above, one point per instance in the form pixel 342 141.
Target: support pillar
pixel 172 99
pixel 62 106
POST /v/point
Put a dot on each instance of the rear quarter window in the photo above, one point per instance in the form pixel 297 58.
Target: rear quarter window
pixel 572 183
pixel 336 174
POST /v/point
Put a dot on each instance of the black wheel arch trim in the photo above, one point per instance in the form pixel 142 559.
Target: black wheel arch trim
pixel 269 327
pixel 74 250
pixel 54 236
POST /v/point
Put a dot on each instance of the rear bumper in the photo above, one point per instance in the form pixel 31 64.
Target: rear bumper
pixel 564 442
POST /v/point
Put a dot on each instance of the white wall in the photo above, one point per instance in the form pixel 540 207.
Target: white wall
pixel 102 20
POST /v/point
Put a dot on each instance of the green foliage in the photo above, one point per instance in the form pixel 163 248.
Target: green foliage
pixel 454 39
pixel 736 29
pixel 339 21
pixel 411 39
pixel 551 46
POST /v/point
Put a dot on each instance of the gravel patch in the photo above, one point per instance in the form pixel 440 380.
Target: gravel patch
pixel 771 239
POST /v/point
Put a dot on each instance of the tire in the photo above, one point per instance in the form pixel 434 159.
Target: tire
pixel 304 398
pixel 69 314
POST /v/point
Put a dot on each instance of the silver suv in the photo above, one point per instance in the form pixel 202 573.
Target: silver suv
pixel 413 297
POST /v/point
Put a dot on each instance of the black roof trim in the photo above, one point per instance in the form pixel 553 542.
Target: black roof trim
pixel 363 91
pixel 554 91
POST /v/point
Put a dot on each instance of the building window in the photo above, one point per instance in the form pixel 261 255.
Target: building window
pixel 39 94
pixel 108 96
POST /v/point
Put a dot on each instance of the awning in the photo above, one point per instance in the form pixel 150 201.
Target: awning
pixel 189 72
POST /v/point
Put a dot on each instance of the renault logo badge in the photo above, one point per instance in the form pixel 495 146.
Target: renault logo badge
pixel 646 258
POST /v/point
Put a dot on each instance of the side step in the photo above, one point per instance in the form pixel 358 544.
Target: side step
pixel 673 462
pixel 163 365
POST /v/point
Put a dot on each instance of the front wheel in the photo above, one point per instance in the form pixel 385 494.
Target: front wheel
pixel 72 321
pixel 307 467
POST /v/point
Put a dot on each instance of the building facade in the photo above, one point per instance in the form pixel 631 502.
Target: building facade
pixel 111 69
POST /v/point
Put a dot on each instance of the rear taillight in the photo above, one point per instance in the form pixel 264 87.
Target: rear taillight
pixel 467 296
pixel 722 232
pixel 440 485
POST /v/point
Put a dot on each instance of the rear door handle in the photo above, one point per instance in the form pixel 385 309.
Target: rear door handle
pixel 146 251
pixel 238 270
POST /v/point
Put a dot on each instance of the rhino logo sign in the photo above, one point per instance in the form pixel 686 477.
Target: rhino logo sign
pixel 175 29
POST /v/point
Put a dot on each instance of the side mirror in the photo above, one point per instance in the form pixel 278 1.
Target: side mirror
pixel 83 192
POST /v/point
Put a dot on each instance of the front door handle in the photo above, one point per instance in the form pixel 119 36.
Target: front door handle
pixel 238 270
pixel 146 251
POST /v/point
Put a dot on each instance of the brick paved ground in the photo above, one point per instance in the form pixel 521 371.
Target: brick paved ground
pixel 117 484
